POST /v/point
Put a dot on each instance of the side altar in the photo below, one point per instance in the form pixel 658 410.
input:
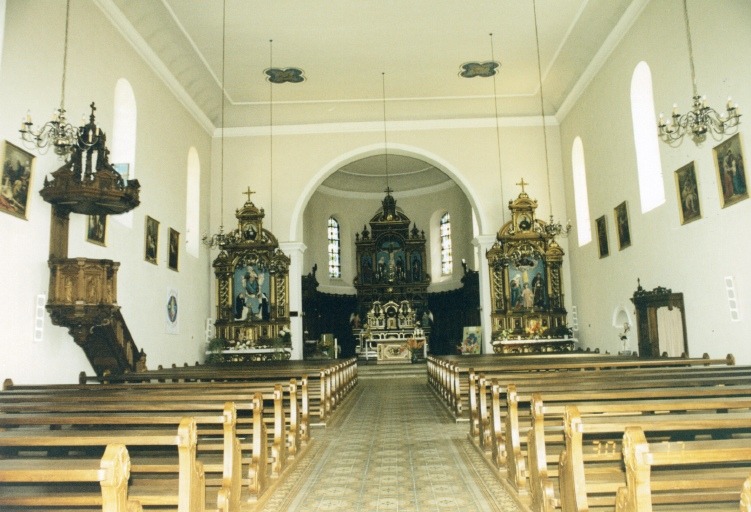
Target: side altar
pixel 391 286
pixel 528 313
pixel 252 289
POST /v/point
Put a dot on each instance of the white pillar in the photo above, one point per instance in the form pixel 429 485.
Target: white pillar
pixel 295 251
pixel 482 243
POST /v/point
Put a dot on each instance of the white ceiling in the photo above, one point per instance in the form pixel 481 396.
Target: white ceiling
pixel 351 50
pixel 344 46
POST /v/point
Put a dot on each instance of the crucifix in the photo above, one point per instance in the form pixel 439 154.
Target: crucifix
pixel 248 193
pixel 521 184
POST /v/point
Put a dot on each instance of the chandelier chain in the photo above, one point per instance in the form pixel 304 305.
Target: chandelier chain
pixel 65 55
pixel 497 129
pixel 271 137
pixel 385 138
pixel 542 109
pixel 224 40
pixel 690 48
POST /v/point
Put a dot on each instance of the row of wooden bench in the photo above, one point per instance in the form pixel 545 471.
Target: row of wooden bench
pixel 192 444
pixel 328 383
pixel 448 375
pixel 526 422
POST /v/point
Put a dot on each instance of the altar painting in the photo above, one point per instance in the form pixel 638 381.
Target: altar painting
pixel 390 262
pixel 251 287
pixel 527 286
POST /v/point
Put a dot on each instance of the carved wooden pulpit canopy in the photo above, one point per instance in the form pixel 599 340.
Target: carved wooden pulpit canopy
pixel 525 277
pixel 252 274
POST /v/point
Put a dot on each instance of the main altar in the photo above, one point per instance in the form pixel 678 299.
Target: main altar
pixel 391 287
pixel 528 313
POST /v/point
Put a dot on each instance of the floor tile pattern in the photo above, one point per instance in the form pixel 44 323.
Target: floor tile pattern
pixel 393 448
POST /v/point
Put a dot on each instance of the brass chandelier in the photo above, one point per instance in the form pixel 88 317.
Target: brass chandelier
pixel 701 119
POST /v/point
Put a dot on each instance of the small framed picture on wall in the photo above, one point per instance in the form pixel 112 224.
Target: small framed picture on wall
pixel 15 182
pixel 622 225
pixel 96 229
pixel 688 193
pixel 602 236
pixel 174 249
pixel 151 240
pixel 731 171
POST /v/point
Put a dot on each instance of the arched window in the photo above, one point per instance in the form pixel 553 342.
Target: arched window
pixel 123 146
pixel 581 198
pixel 648 164
pixel 193 203
pixel 335 249
pixel 447 262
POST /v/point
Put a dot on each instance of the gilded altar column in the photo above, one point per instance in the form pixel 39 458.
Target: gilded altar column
pixel 482 244
pixel 295 251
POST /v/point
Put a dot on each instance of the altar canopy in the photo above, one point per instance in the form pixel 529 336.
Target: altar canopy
pixel 392 281
pixel 525 284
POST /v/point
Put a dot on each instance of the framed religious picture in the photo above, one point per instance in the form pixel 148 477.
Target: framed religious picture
pixel 602 236
pixel 688 193
pixel 471 340
pixel 151 240
pixel 16 180
pixel 622 225
pixel 96 229
pixel 174 249
pixel 731 171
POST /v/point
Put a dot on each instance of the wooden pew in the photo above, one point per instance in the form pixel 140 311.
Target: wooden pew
pixel 694 475
pixel 165 404
pixel 295 401
pixel 592 381
pixel 545 439
pixel 327 385
pixel 558 369
pixel 454 380
pixel 184 490
pixel 59 477
pixel 589 478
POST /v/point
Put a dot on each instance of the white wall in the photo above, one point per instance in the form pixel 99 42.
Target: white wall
pixel 30 78
pixel 693 258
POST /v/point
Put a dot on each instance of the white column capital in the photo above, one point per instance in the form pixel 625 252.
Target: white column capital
pixel 484 241
pixel 292 247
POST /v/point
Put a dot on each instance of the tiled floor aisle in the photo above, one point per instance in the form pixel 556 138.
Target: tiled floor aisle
pixel 394 448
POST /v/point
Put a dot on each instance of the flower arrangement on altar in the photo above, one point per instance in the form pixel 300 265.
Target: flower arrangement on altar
pixel 534 330
pixel 413 345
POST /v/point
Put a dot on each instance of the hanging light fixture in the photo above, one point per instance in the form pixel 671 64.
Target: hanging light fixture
pixel 271 137
pixel 385 139
pixel 701 119
pixel 552 228
pixel 503 259
pixel 221 238
pixel 57 132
